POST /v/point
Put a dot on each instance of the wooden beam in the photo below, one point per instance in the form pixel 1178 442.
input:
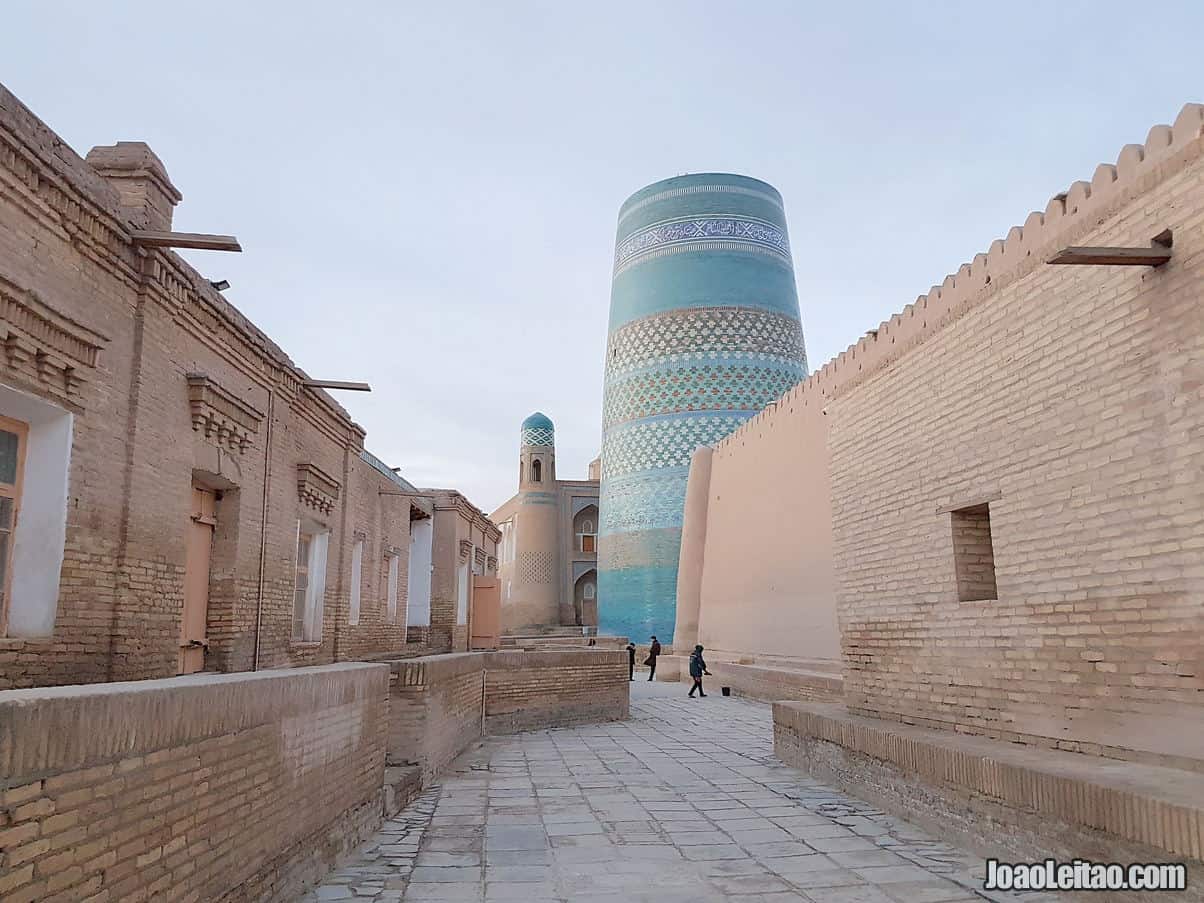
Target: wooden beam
pixel 200 240
pixel 336 384
pixel 1153 256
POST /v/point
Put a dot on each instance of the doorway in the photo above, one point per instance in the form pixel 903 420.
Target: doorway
pixel 199 552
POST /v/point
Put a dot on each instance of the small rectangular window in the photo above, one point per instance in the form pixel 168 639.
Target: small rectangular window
pixel 357 564
pixel 973 553
pixel 392 588
pixel 309 587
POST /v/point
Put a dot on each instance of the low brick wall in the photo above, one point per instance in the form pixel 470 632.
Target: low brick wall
pixel 440 704
pixel 435 706
pixel 1017 803
pixel 208 787
pixel 531 690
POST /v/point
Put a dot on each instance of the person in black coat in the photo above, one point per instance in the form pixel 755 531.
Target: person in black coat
pixel 698 667
pixel 631 661
pixel 651 660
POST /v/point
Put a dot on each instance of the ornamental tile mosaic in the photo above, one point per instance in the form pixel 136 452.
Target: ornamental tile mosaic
pixel 663 442
pixel 538 436
pixel 738 232
pixel 701 333
pixel 686 376
pixel 702 387
pixel 644 501
pixel 699 189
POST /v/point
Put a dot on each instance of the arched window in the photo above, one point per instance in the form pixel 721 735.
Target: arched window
pixel 587 526
pixel 589 591
pixel 586 537
pixel 536 468
pixel 520 471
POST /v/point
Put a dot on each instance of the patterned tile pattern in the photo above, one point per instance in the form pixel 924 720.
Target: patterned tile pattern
pixel 704 334
pixel 686 376
pixel 538 436
pixel 737 231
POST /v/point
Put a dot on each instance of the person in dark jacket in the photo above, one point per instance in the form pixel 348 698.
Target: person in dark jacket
pixel 651 660
pixel 631 661
pixel 698 667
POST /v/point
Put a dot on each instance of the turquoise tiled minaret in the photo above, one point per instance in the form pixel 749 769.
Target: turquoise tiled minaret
pixel 704 332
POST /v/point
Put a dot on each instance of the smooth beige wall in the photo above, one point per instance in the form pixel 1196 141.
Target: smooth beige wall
pixel 768 585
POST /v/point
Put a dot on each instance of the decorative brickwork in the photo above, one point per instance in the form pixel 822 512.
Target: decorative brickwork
pixel 220 416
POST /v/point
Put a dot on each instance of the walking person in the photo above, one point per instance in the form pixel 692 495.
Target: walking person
pixel 631 661
pixel 651 660
pixel 698 667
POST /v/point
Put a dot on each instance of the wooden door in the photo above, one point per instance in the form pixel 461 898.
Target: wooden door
pixel 196 580
pixel 14 435
pixel 486 613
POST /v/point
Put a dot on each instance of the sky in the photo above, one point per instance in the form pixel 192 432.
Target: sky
pixel 427 194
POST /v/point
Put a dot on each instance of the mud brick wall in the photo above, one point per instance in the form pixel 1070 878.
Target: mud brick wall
pixel 208 787
pixel 100 327
pixel 1067 400
pixel 440 704
pixel 435 707
pixel 529 690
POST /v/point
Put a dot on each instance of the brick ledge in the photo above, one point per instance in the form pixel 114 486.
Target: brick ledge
pixel 1159 807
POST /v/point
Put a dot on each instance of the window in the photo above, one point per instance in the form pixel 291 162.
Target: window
pixel 13 436
pixel 973 553
pixel 357 565
pixel 589 591
pixel 462 594
pixel 536 470
pixel 309 590
pixel 586 537
pixel 391 587
pixel 520 471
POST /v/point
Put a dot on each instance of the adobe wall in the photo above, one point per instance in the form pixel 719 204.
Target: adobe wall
pixel 441 704
pixel 768 586
pixel 1069 398
pixel 211 787
pixel 530 690
pixel 167 383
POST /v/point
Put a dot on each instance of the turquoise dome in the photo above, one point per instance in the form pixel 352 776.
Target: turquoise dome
pixel 538 430
pixel 537 421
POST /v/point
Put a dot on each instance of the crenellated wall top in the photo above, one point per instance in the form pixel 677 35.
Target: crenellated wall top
pixel 1068 216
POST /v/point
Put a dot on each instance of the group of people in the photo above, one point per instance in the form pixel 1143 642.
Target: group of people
pixel 698 665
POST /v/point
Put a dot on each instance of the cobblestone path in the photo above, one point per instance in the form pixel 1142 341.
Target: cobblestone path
pixel 684 802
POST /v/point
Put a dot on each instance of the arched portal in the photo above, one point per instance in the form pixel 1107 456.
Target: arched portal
pixel 585 530
pixel 585 599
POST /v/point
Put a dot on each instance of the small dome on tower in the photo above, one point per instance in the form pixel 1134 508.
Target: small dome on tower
pixel 538 430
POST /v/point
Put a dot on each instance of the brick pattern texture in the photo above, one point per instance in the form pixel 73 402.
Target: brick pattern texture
pixel 137 449
pixel 1068 399
pixel 442 704
pixel 209 787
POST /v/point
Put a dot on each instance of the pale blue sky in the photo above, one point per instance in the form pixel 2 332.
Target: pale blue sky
pixel 427 193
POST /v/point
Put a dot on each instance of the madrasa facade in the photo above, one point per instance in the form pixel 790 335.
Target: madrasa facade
pixel 704 332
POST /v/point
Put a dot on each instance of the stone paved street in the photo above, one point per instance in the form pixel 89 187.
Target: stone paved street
pixel 684 802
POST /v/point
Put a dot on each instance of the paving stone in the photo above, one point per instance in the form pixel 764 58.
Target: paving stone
pixel 681 804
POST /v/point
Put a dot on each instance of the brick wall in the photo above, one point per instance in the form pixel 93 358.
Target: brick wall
pixel 441 704
pixel 111 333
pixel 529 690
pixel 209 787
pixel 1070 398
pixel 1067 400
pixel 434 709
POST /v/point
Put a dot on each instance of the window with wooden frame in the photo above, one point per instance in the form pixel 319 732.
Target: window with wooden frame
pixel 586 537
pixel 14 435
